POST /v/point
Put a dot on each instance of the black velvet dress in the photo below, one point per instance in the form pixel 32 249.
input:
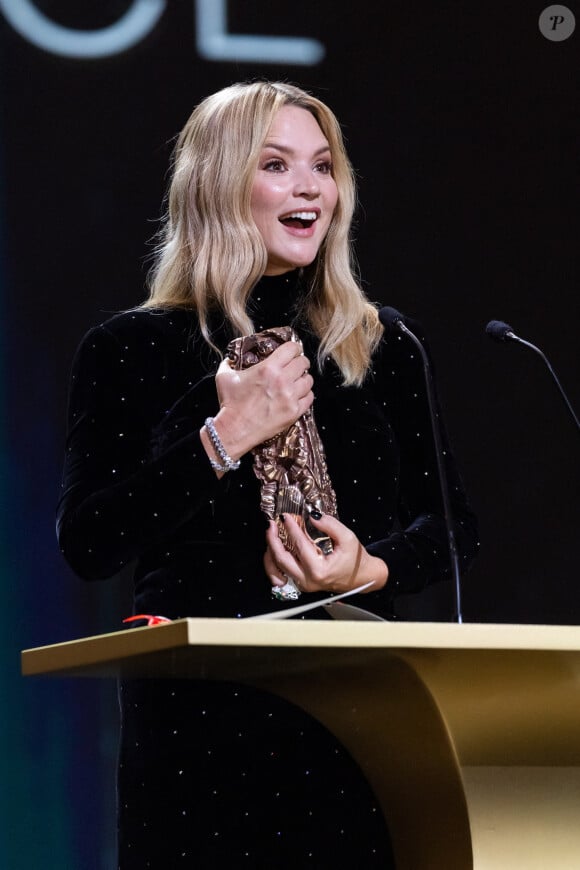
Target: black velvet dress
pixel 215 773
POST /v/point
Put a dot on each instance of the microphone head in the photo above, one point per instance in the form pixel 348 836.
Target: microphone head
pixel 390 318
pixel 499 330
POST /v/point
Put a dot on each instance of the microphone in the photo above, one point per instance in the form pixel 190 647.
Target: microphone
pixel 501 331
pixel 393 321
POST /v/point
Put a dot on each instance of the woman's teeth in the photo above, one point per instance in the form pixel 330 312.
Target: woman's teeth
pixel 299 218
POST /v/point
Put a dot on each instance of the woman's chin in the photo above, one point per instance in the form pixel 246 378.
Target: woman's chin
pixel 279 267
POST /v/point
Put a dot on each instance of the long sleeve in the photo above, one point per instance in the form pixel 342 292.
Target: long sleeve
pixel 417 553
pixel 135 470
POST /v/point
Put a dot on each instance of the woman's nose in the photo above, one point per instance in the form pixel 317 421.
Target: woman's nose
pixel 307 184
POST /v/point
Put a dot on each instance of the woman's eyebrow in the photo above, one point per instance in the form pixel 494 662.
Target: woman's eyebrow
pixel 286 149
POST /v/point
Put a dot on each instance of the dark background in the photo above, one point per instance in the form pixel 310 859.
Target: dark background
pixel 462 123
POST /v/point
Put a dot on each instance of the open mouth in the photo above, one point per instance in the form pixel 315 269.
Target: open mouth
pixel 299 219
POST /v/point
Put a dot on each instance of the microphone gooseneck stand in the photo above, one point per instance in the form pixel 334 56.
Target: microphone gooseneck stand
pixel 501 331
pixel 392 319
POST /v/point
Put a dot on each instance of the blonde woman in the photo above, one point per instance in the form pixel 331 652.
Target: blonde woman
pixel 158 472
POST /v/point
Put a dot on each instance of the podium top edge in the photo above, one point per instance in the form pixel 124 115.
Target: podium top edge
pixel 393 636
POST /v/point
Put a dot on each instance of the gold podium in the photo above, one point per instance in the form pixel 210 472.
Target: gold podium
pixel 469 734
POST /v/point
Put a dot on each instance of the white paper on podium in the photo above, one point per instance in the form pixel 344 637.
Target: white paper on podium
pixel 337 611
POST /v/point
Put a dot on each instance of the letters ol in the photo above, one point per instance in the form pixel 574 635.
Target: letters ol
pixel 213 41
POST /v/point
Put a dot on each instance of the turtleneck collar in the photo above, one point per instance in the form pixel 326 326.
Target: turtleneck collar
pixel 275 299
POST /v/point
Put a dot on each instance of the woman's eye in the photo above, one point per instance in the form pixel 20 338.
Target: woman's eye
pixel 274 165
pixel 325 167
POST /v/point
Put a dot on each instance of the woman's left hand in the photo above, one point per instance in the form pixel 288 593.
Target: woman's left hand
pixel 348 566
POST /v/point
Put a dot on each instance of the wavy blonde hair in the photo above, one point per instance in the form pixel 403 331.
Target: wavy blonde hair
pixel 211 253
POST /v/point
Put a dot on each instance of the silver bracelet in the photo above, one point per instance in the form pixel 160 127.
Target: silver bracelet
pixel 227 463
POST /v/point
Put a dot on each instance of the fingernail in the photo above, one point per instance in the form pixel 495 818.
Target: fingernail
pixel 316 515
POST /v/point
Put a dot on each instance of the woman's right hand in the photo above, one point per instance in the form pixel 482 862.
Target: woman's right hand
pixel 260 401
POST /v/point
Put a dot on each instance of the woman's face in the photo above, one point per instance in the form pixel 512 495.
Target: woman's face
pixel 294 194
